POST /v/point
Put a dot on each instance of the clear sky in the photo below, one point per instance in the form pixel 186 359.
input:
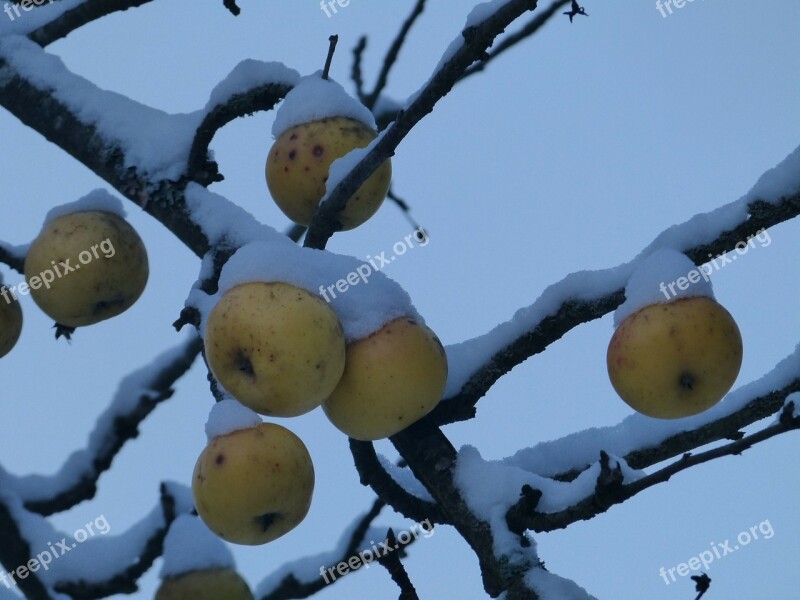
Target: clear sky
pixel 571 152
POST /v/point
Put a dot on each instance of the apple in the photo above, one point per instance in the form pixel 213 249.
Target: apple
pixel 298 164
pixel 85 267
pixel 675 359
pixel 10 322
pixel 276 348
pixel 391 379
pixel 253 485
pixel 206 584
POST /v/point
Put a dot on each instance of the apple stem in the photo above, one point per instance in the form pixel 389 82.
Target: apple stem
pixel 333 40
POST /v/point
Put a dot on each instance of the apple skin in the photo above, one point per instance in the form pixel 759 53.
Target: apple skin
pixel 676 359
pixel 276 348
pixel 102 287
pixel 253 485
pixel 298 164
pixel 10 323
pixel 391 379
pixel 206 584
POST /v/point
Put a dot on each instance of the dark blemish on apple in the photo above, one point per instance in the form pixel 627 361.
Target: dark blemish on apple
pixel 293 136
pixel 244 364
pixel 292 154
pixel 686 381
pixel 220 459
pixel 318 150
pixel 267 520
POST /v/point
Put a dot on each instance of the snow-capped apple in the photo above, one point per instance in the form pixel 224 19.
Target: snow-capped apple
pixel 10 321
pixel 253 485
pixel 276 348
pixel 85 267
pixel 299 161
pixel 675 359
pixel 391 379
pixel 205 584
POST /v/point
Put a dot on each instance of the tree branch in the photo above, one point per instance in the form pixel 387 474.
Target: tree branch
pixel 111 433
pixel 574 312
pixel 15 551
pixel 11 259
pixel 476 41
pixel 81 15
pixel 610 490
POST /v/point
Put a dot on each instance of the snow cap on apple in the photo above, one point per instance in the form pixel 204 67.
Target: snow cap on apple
pixel 649 283
pixel 228 416
pixel 362 310
pixel 96 200
pixel 315 98
pixel 191 546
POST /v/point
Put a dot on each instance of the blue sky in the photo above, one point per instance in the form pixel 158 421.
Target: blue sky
pixel 571 152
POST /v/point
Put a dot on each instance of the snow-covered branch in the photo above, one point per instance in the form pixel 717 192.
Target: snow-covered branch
pixel 584 296
pixel 13 257
pixel 137 396
pixel 484 24
pixel 75 18
pixel 610 488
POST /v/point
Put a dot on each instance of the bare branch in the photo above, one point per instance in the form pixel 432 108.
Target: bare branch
pixel 392 54
pixel 392 563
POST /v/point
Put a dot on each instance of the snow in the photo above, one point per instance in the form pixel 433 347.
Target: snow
pixel 98 199
pixel 35 17
pixel 550 586
pixel 654 281
pixel 154 142
pixel 795 399
pixel 250 74
pixel 190 546
pixel 405 479
pixel 307 569
pixel 267 255
pixel 314 98
pixel 342 166
pixel 91 553
pixel 637 431
pixel 80 463
pixel 781 181
pixel 466 358
pixel 228 416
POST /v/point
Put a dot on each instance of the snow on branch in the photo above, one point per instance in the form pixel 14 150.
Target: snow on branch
pixel 83 13
pixel 587 295
pixel 484 24
pixel 303 578
pixel 13 256
pixel 137 396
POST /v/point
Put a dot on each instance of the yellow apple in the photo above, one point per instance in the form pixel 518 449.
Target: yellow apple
pixel 675 359
pixel 86 267
pixel 298 163
pixel 276 348
pixel 391 379
pixel 10 321
pixel 206 584
pixel 253 485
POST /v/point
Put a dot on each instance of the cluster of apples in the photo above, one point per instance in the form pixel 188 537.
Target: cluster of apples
pixel 280 351
pixel 73 290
